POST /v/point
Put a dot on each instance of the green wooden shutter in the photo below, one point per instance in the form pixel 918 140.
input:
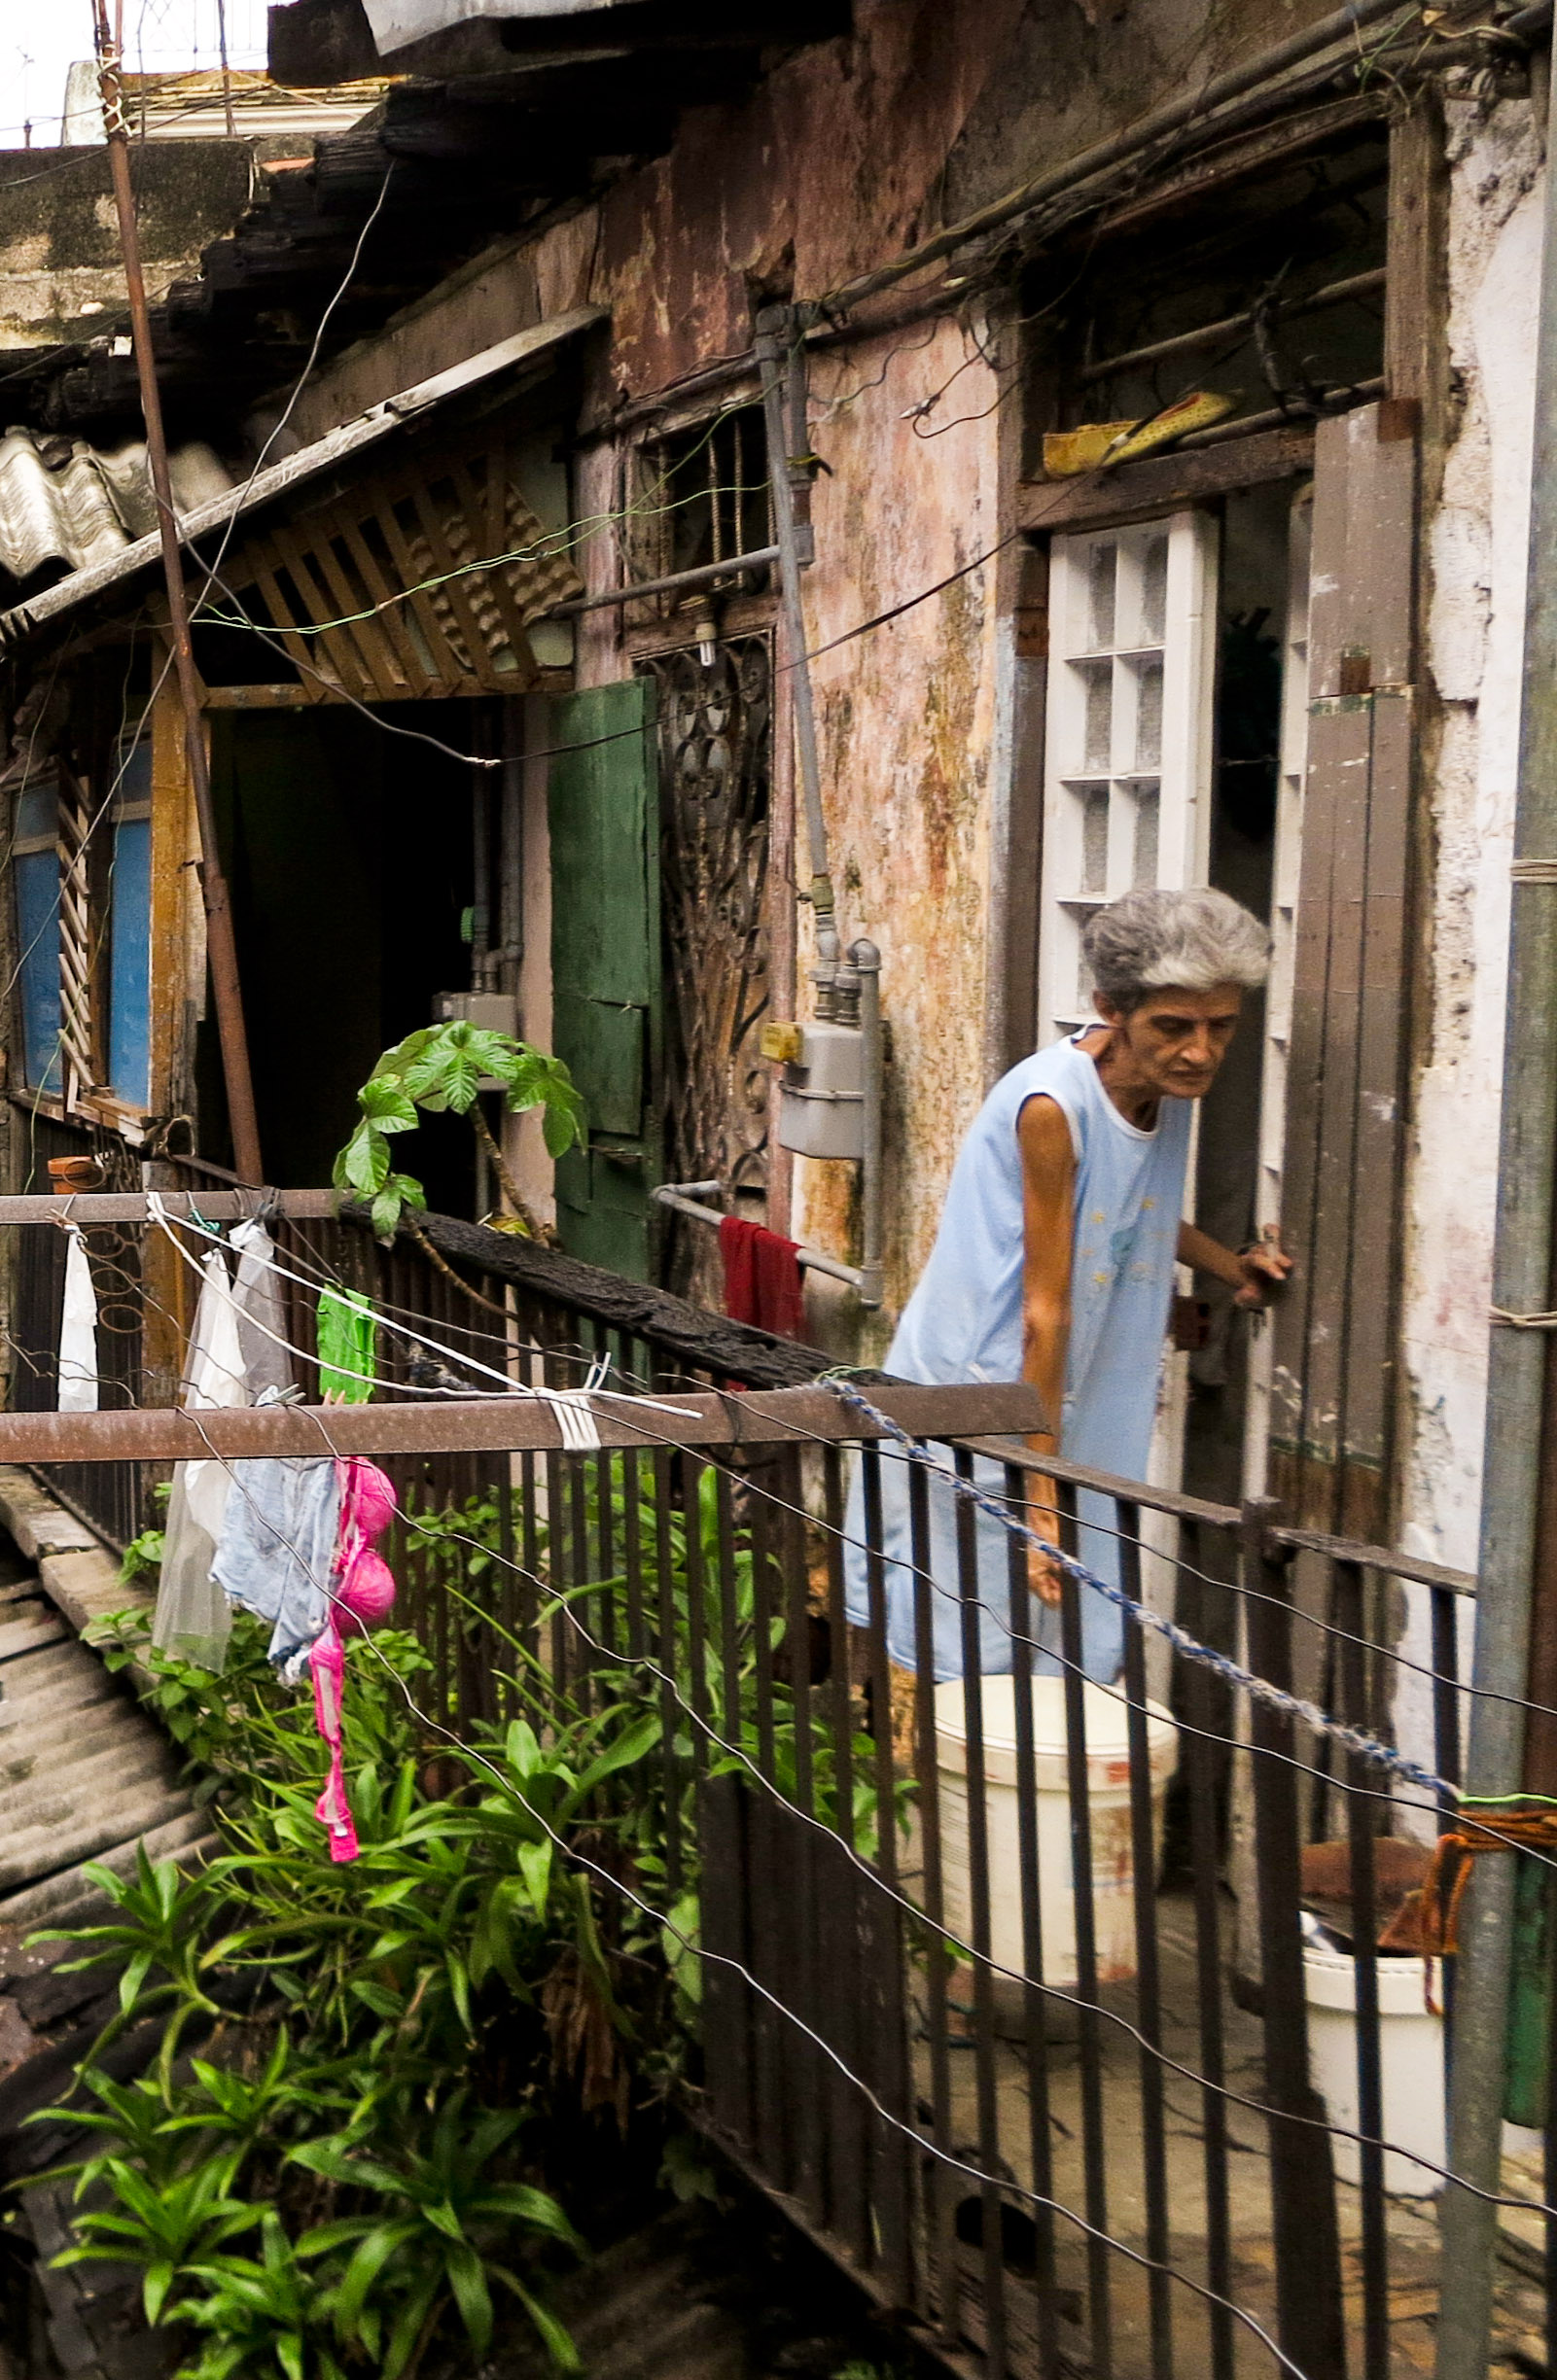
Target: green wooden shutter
pixel 604 813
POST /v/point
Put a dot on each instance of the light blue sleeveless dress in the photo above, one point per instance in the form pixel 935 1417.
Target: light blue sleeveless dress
pixel 964 1323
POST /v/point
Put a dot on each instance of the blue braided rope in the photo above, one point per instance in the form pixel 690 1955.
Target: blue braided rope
pixel 1259 1690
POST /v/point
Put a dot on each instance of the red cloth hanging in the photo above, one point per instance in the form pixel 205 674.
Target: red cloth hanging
pixel 762 1277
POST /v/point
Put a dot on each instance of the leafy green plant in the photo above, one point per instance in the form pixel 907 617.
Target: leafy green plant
pixel 419 1982
pixel 439 2226
pixel 441 1068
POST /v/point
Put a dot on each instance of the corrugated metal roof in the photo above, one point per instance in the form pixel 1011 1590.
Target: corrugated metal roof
pixel 395 22
pixel 351 439
pixel 63 500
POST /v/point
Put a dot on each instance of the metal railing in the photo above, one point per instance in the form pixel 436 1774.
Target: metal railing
pixel 1026 2052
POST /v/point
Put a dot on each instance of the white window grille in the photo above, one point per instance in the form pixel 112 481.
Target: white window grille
pixel 1129 733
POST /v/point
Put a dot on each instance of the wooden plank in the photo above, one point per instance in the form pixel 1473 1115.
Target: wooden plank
pixel 496 580
pixel 446 670
pixel 255 698
pixel 94 1207
pixel 1160 482
pixel 337 646
pixel 448 568
pixel 1415 286
pixel 367 637
pixel 260 560
pixel 389 597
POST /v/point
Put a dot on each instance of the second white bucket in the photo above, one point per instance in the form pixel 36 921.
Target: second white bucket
pixel 1410 2065
pixel 1108 1768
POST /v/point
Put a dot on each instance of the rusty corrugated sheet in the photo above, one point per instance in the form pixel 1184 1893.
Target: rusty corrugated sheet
pixel 63 500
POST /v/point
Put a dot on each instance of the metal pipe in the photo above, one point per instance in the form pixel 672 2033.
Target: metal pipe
pixel 774 331
pixel 1173 117
pixel 221 940
pixel 866 960
pixel 1516 1388
pixel 1211 335
pixel 684 1198
pixel 498 1425
pixel 700 576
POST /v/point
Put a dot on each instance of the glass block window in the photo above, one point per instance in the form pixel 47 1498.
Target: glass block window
pixel 1129 732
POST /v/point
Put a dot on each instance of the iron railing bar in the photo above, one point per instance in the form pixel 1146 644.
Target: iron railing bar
pixel 1205 1856
pixel 1149 1979
pixel 1035 2036
pixel 1361 1822
pixel 941 2214
pixel 980 1928
pixel 1094 2151
pixel 838 1974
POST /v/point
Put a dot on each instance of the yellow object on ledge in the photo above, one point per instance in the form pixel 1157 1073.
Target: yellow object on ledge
pixel 1096 445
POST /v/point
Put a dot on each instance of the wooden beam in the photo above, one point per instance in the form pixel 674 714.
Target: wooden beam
pixel 94 1207
pixel 501 1424
pixel 1160 482
pixel 263 697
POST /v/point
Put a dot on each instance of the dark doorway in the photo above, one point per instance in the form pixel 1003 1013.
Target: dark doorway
pixel 349 848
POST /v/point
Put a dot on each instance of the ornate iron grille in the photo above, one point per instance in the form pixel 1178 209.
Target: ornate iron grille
pixel 716 765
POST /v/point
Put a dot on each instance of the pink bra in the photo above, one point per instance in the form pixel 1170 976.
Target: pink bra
pixel 363 1592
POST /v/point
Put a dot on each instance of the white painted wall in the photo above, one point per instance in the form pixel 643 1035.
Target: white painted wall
pixel 1474 627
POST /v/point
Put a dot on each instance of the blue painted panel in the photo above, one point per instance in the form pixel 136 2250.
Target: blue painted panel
pixel 37 881
pixel 129 967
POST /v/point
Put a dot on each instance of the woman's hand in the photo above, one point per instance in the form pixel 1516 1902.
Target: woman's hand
pixel 1264 1269
pixel 1045 1577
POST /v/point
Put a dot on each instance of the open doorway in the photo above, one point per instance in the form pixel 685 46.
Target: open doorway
pixel 350 857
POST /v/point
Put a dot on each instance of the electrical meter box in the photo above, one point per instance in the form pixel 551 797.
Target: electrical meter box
pixel 492 1011
pixel 822 1097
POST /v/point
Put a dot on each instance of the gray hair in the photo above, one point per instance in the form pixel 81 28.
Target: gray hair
pixel 1151 942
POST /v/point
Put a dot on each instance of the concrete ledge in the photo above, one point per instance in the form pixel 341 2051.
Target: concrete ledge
pixel 78 1573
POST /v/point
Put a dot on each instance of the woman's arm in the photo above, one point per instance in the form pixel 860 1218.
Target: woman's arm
pixel 1048 1227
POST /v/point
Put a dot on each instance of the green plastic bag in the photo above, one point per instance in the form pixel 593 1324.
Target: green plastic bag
pixel 347 1332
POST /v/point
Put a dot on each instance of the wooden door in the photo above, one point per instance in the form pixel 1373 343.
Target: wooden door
pixel 604 817
pixel 1336 1354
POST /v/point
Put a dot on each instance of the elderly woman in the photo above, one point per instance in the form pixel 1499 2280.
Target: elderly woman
pixel 1054 1264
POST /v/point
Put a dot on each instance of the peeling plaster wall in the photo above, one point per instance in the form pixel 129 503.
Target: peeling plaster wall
pixel 905 717
pixel 1474 625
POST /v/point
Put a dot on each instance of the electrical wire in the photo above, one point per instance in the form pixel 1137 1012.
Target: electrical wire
pixel 644 1389
pixel 704 1956
pixel 559 1602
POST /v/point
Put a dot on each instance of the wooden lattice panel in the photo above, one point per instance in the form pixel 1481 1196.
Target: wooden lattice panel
pixel 373 592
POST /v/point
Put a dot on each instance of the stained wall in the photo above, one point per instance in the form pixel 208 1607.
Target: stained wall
pixel 1472 652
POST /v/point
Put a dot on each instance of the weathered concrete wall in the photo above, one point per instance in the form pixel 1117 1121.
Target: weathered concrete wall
pixel 905 716
pixel 1474 628
pixel 59 259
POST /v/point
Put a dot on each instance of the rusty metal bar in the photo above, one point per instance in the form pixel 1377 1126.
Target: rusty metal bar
pixel 90 1206
pixel 497 1424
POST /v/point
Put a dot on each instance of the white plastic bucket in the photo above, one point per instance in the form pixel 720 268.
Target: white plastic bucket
pixel 1108 1767
pixel 1410 2064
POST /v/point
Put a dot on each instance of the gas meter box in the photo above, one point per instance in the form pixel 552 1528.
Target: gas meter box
pixel 822 1097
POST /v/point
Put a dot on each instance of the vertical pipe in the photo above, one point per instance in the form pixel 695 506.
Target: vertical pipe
pixel 221 940
pixel 1516 1396
pixel 774 331
pixel 866 960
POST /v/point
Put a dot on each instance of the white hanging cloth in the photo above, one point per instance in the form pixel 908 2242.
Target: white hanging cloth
pixel 77 1329
pixel 193 1619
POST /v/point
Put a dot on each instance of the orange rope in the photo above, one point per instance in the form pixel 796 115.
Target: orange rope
pixel 1500 1830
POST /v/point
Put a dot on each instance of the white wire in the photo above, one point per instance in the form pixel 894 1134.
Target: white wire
pixel 700 1951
